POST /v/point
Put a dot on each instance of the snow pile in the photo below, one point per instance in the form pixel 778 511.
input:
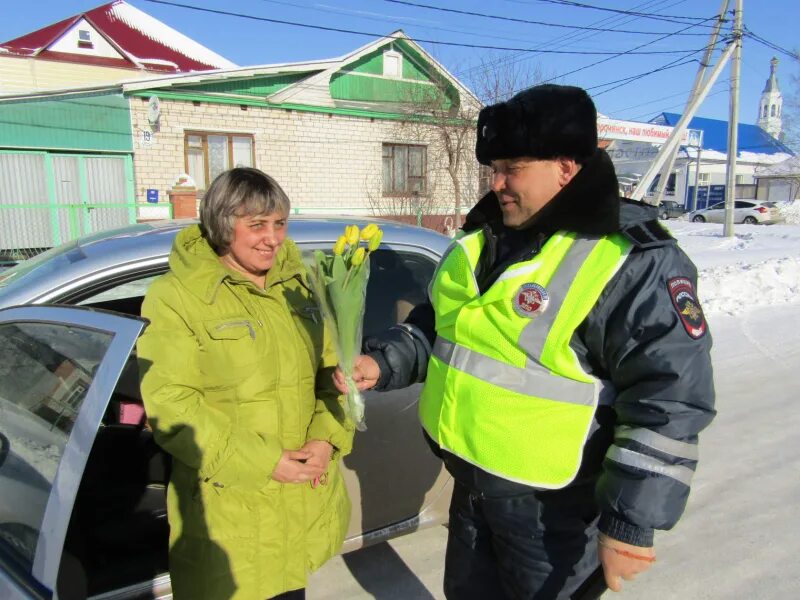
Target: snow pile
pixel 759 266
pixel 733 289
pixel 791 212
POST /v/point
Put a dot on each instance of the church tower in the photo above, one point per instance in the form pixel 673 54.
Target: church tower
pixel 769 111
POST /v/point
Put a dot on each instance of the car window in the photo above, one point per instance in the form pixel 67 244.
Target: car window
pixel 124 291
pixel 743 204
pixel 46 370
pixel 398 281
pixel 717 206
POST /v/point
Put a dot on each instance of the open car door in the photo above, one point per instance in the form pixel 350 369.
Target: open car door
pixel 58 368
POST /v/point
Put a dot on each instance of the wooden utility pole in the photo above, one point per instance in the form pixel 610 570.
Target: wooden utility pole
pixel 733 122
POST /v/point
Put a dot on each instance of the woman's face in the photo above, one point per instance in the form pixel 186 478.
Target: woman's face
pixel 256 241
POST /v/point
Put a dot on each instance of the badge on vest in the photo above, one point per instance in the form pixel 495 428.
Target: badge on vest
pixel 531 300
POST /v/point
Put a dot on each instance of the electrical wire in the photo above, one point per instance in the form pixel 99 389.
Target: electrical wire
pixel 378 35
pixel 560 42
pixel 528 21
pixel 771 45
pixel 681 20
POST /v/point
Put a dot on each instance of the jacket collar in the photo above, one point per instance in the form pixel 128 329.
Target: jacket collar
pixel 200 271
pixel 589 204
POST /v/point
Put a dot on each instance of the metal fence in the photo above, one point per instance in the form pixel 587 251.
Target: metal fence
pixel 28 229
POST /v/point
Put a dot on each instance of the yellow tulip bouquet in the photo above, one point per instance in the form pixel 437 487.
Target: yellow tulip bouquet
pixel 339 281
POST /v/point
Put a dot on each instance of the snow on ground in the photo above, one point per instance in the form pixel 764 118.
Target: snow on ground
pixel 758 266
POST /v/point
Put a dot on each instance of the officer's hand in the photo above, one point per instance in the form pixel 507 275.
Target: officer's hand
pixel 622 561
pixel 365 374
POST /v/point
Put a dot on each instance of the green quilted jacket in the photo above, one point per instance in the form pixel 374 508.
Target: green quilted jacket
pixel 231 375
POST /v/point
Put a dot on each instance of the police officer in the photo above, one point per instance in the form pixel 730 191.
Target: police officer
pixel 566 365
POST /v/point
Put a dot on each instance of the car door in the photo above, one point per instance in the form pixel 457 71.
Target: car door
pixel 392 475
pixel 742 209
pixel 716 214
pixel 58 367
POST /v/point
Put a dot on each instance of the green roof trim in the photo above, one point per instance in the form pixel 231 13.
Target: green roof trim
pixel 78 122
pixel 350 112
pixel 255 86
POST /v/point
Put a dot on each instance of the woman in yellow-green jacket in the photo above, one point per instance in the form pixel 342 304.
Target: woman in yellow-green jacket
pixel 235 375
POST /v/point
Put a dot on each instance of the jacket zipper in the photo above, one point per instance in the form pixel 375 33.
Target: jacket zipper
pixel 238 324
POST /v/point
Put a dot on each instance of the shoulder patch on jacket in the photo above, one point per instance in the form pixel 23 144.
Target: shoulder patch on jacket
pixel 648 234
pixel 681 292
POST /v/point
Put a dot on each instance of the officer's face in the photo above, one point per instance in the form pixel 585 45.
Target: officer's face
pixel 524 185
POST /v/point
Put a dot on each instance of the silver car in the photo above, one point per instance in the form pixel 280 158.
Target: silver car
pixel 749 212
pixel 82 508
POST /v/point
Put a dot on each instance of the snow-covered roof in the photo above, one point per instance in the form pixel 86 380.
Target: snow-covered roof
pixel 134 33
pixel 754 144
pixel 786 168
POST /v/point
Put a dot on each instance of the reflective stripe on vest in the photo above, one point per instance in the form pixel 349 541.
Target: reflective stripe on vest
pixel 504 390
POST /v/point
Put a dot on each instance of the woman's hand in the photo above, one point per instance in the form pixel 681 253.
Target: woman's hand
pixel 294 467
pixel 321 453
pixel 365 374
pixel 622 561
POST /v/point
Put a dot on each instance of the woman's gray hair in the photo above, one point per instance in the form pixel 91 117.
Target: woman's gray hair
pixel 239 192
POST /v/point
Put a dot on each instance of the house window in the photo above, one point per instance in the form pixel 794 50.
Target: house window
pixel 209 154
pixel 739 179
pixel 85 39
pixel 404 168
pixel 703 178
pixel 765 111
pixel 392 64
pixel 772 111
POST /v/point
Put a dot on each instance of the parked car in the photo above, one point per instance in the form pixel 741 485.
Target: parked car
pixel 744 211
pixel 82 508
pixel 669 209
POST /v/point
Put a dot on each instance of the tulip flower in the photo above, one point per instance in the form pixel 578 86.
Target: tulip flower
pixel 339 282
pixel 369 231
pixel 358 257
pixel 351 233
pixel 375 240
pixel 339 246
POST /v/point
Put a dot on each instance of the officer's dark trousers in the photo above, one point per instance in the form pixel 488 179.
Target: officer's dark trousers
pixel 508 541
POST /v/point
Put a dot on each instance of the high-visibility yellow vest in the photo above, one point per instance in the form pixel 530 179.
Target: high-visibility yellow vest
pixel 504 390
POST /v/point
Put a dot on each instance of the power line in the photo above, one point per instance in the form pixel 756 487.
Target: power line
pixel 378 35
pixel 632 78
pixel 561 41
pixel 661 99
pixel 644 115
pixel 527 21
pixel 628 52
pixel 771 45
pixel 678 19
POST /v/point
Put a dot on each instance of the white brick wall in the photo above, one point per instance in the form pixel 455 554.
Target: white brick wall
pixel 325 163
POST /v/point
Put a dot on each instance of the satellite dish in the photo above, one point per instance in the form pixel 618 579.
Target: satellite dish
pixel 153 110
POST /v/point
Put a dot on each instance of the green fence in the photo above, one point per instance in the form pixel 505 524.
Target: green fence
pixel 27 229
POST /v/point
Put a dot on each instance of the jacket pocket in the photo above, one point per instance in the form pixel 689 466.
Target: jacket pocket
pixel 232 350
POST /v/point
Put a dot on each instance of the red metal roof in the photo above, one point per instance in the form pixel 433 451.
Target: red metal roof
pixel 144 41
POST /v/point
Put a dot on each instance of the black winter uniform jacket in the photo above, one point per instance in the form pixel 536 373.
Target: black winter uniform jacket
pixel 646 338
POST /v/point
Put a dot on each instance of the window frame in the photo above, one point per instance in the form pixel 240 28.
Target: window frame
pixel 406 193
pixel 230 135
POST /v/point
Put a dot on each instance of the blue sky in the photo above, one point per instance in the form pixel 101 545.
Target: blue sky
pixel 250 42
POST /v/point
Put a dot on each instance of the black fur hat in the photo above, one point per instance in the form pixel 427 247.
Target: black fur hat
pixel 545 121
